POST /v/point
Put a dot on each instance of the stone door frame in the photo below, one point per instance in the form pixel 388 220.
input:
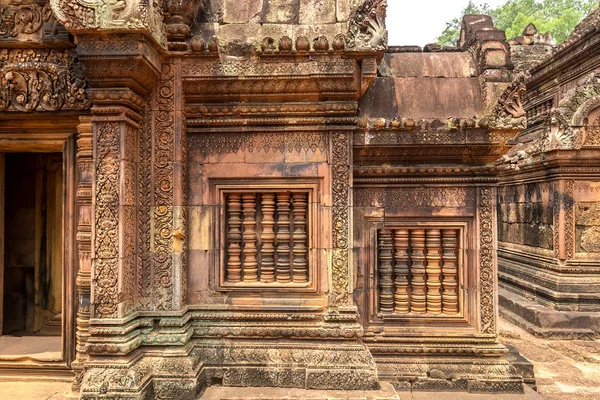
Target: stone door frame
pixel 40 134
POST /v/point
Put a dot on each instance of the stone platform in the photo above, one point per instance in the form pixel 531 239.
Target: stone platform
pixel 545 322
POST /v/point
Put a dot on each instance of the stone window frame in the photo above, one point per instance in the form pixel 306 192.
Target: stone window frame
pixel 468 284
pixel 315 217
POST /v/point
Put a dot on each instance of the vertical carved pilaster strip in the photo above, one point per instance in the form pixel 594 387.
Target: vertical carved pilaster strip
pixel 106 235
pixel 85 217
pixel 449 272
pixel 164 141
pixel 234 238
pixel 417 271
pixel 401 294
pixel 386 298
pixel 433 268
pixel 144 273
pixel 569 205
pixel 487 270
pixel 283 237
pixel 300 263
pixel 249 263
pixel 341 158
pixel 267 250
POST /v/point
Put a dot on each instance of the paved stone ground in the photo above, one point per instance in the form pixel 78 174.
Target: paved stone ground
pixel 564 369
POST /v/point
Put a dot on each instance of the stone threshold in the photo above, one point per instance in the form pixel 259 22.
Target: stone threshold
pixel 386 392
pixel 544 322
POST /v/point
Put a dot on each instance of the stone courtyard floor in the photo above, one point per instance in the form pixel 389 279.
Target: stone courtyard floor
pixel 564 370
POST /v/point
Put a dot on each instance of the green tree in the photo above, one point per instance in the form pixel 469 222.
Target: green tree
pixel 559 17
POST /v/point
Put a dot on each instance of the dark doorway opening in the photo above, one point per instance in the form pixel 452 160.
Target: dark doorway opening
pixel 33 250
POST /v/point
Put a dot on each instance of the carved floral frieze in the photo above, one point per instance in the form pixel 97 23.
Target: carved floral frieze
pixel 41 80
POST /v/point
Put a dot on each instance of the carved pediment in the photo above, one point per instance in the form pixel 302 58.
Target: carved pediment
pixel 41 80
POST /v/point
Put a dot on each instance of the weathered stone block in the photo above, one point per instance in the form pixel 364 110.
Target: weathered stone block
pixel 236 12
pixel 281 11
pixel 317 11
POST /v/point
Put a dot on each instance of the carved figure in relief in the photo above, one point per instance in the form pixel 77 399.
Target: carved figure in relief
pixel 367 30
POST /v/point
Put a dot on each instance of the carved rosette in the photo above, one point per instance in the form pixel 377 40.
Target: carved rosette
pixel 487 271
pixel 41 80
pixel 23 19
pixel 341 278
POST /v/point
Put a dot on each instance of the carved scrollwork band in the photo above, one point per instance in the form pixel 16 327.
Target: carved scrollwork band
pixel 487 271
pixel 341 159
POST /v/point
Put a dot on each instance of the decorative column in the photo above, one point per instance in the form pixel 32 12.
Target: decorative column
pixel 85 216
pixel 417 270
pixel 234 238
pixel 433 268
pixel 300 263
pixel 401 294
pixel 283 238
pixel 449 272
pixel 249 263
pixel 267 272
pixel 386 298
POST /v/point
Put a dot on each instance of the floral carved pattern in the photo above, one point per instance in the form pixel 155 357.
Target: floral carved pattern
pixel 41 80
pixel 105 277
pixel 144 282
pixel 486 260
pixel 22 19
pixel 340 222
pixel 163 190
pixel 569 205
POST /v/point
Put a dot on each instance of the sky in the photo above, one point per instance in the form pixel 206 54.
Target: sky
pixel 418 22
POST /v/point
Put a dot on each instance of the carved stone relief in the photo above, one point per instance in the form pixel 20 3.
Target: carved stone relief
pixel 41 80
pixel 366 31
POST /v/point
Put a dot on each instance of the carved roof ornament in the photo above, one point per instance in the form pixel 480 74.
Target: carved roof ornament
pixel 366 30
pixel 509 113
pixel 83 16
pixel 179 16
pixel 41 80
pixel 565 128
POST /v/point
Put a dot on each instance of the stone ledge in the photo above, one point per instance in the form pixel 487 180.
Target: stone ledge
pixel 545 322
pixel 387 392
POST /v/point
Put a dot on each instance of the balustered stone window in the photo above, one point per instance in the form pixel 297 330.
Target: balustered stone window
pixel 266 238
pixel 419 270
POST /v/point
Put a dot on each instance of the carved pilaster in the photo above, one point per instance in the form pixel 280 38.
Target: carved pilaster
pixel 487 257
pixel 168 251
pixel 401 293
pixel 433 268
pixel 341 175
pixel 449 272
pixel 115 230
pixel 417 271
pixel 283 237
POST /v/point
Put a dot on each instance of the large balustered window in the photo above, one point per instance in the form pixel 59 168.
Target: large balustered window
pixel 419 270
pixel 266 238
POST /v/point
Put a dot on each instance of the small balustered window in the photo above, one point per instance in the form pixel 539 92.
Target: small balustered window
pixel 419 270
pixel 266 239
